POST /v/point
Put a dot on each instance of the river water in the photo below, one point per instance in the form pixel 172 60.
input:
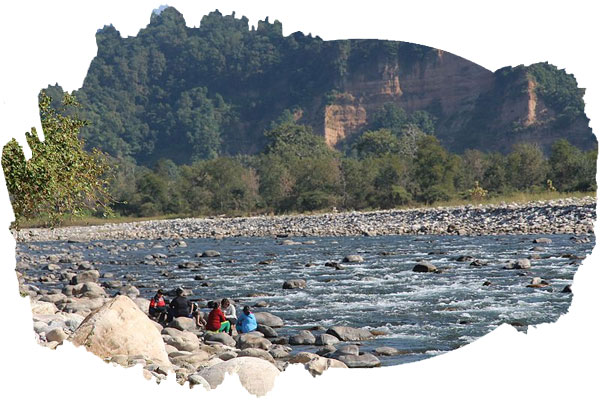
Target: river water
pixel 423 314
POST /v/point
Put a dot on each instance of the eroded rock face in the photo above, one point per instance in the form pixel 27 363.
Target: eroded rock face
pixel 120 328
pixel 255 374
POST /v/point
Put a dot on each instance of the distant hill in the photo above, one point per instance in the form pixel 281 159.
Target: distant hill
pixel 191 93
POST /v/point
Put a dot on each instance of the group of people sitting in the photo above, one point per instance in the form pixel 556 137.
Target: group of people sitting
pixel 222 317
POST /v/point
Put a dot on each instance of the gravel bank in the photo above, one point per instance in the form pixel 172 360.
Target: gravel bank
pixel 571 215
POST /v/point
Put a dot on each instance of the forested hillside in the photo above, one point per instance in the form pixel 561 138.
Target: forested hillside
pixel 196 93
pixel 231 119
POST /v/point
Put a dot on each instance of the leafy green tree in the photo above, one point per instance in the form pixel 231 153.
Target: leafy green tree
pixel 565 166
pixel 434 171
pixel 526 167
pixel 60 178
pixel 376 143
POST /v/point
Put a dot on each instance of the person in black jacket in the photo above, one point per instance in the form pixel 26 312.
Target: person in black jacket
pixel 180 306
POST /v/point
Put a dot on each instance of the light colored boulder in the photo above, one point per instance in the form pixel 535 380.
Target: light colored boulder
pixel 259 353
pixel 304 337
pixel 326 339
pixel 88 289
pixel 220 337
pixel 183 324
pixel 86 276
pixel 366 360
pixel 119 327
pixel 255 374
pixel 43 308
pixel 268 319
pixel 314 363
pixel 56 335
pixel 143 304
pixel 181 340
pixel 196 379
pixel 353 258
pixel 346 333
pixel 246 341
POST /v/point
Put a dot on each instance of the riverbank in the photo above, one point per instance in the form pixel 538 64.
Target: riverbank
pixel 569 215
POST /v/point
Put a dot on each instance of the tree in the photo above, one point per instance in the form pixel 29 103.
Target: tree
pixel 377 143
pixel 526 166
pixel 61 178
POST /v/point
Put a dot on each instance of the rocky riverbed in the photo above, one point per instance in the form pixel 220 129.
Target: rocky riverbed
pixel 562 216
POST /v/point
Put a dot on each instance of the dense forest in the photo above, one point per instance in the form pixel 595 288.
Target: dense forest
pixel 231 119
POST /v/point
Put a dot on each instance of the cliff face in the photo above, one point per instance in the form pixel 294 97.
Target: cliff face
pixel 475 107
pixel 442 82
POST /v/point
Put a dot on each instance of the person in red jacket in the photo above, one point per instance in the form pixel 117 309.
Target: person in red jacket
pixel 216 320
pixel 158 306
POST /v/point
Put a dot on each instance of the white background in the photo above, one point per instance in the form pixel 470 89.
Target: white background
pixel 48 42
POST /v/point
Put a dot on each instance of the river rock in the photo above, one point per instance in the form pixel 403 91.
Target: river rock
pixel 268 319
pixel 316 364
pixel 220 337
pixel 279 351
pixel 196 379
pixel 346 333
pixel 183 324
pixel 56 335
pixel 567 289
pixel 326 339
pixel 353 258
pixel 89 289
pixel 250 340
pixel 542 240
pixel 119 327
pixel 129 291
pixel 386 351
pixel 365 360
pixel 42 307
pixel 294 284
pixel 181 340
pixel 424 266
pixel 259 353
pixel 303 337
pixel 211 253
pixel 267 331
pixel 521 263
pixel 86 276
pixel 255 374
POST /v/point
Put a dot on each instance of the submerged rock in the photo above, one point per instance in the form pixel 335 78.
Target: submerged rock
pixel 424 266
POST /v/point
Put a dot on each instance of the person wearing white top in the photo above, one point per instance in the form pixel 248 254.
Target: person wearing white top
pixel 229 311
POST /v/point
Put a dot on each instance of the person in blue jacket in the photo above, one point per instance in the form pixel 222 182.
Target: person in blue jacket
pixel 246 321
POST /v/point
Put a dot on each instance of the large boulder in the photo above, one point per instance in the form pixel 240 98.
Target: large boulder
pixel 268 319
pixel 255 374
pixel 211 253
pixel 303 337
pixel 119 327
pixel 346 333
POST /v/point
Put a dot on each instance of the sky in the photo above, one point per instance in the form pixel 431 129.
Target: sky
pixel 53 42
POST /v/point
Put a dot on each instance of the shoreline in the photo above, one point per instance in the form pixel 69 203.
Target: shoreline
pixel 561 216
